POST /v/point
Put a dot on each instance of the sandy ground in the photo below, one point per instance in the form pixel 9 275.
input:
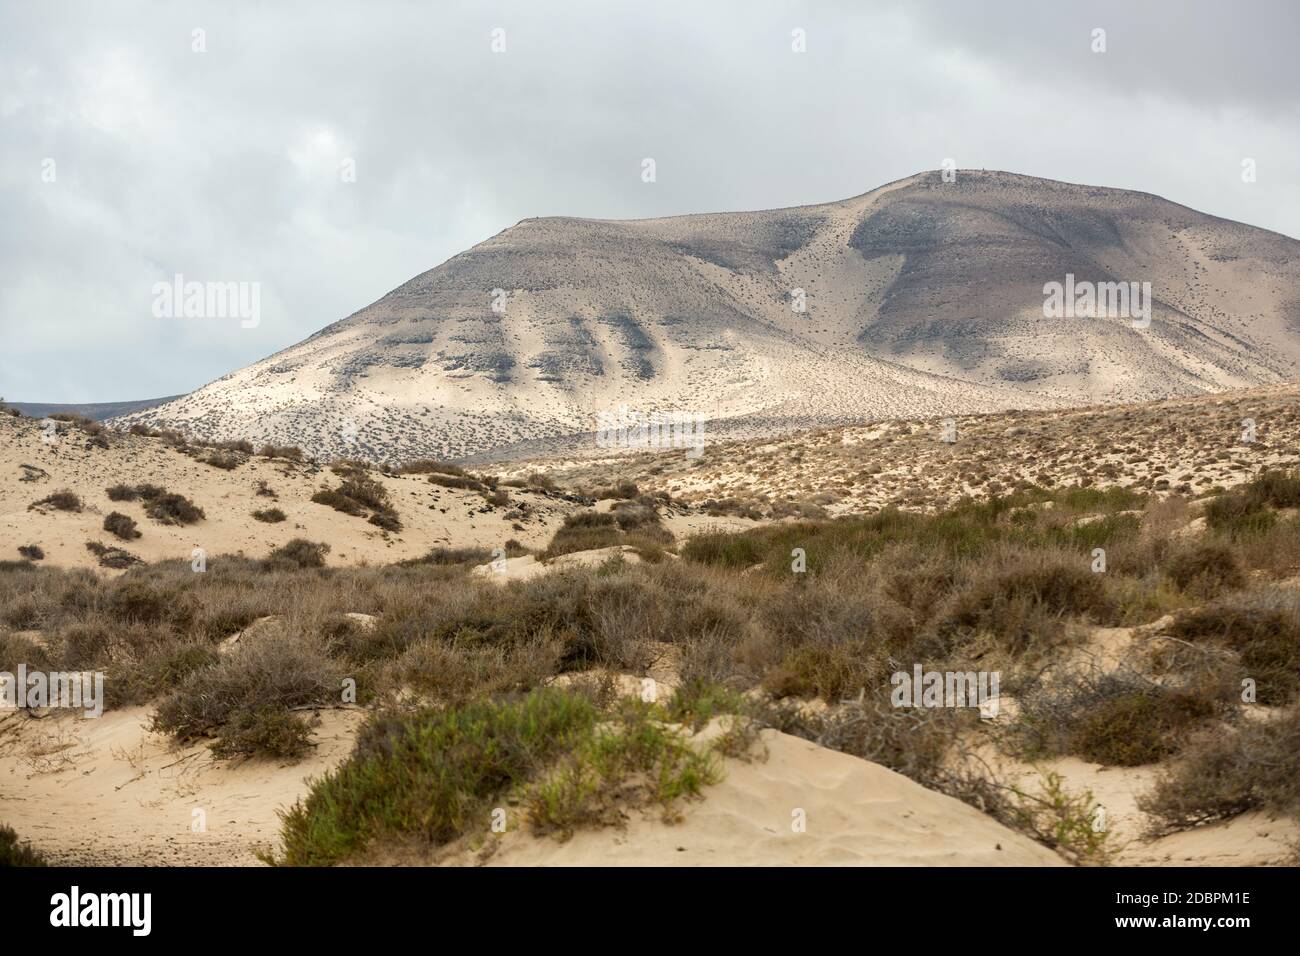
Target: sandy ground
pixel 108 792
pixel 1186 446
pixel 432 516
pixel 1251 839
pixel 853 813
pixel 105 791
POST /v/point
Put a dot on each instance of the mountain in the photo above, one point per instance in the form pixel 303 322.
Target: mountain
pixel 96 411
pixel 923 297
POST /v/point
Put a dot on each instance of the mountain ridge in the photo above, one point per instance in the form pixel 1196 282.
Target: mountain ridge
pixel 922 297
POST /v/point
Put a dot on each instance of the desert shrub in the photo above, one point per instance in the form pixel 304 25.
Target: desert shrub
pixel 498 498
pixel 1082 499
pixel 1108 717
pixel 908 740
pixel 1106 532
pixel 123 648
pixel 139 600
pixel 584 531
pixel 590 519
pixel 367 491
pixel 298 553
pixel 153 669
pixel 359 643
pixel 1020 598
pixel 268 732
pixel 921 582
pixel 825 640
pixel 718 507
pixel 277 671
pixel 452 556
pixel 1274 550
pixel 459 480
pixel 1138 728
pixel 1236 514
pixel 15 650
pixel 81 421
pixel 121 526
pixel 1057 818
pixel 828 671
pixel 630 515
pixel 968 530
pixel 540 481
pixel 1263 627
pixel 110 557
pixel 806 510
pixel 145 492
pixel 1205 569
pixel 64 500
pixel 425 466
pixel 621 489
pixel 269 515
pixel 15 853
pixel 165 507
pixel 431 774
pixel 698 701
pixel 1278 489
pixel 226 461
pixel 32 552
pixel 632 760
pixel 350 467
pixel 1228 772
pixel 290 452
pixel 338 501
pixel 86 644
pixel 387 520
pixel 434 774
pixel 174 509
pixel 591 530
pixel 1247 510
pixel 724 550
pixel 359 494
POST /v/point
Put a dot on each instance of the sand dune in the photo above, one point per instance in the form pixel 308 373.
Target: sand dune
pixel 101 792
pixel 853 813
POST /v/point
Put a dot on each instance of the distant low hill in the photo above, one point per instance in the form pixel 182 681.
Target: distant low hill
pixel 99 411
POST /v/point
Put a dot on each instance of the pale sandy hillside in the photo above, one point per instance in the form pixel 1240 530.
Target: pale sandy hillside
pixel 1189 446
pixel 31 469
pixel 432 515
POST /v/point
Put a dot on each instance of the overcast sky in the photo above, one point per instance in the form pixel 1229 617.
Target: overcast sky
pixel 225 165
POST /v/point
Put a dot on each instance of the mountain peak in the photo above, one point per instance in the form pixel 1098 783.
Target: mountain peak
pixel 923 296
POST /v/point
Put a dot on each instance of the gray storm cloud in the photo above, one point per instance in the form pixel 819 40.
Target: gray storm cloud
pixel 225 165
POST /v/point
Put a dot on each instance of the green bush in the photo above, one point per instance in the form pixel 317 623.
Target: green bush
pixel 432 774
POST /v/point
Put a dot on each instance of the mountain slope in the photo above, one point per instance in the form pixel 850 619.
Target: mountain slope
pixel 922 298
